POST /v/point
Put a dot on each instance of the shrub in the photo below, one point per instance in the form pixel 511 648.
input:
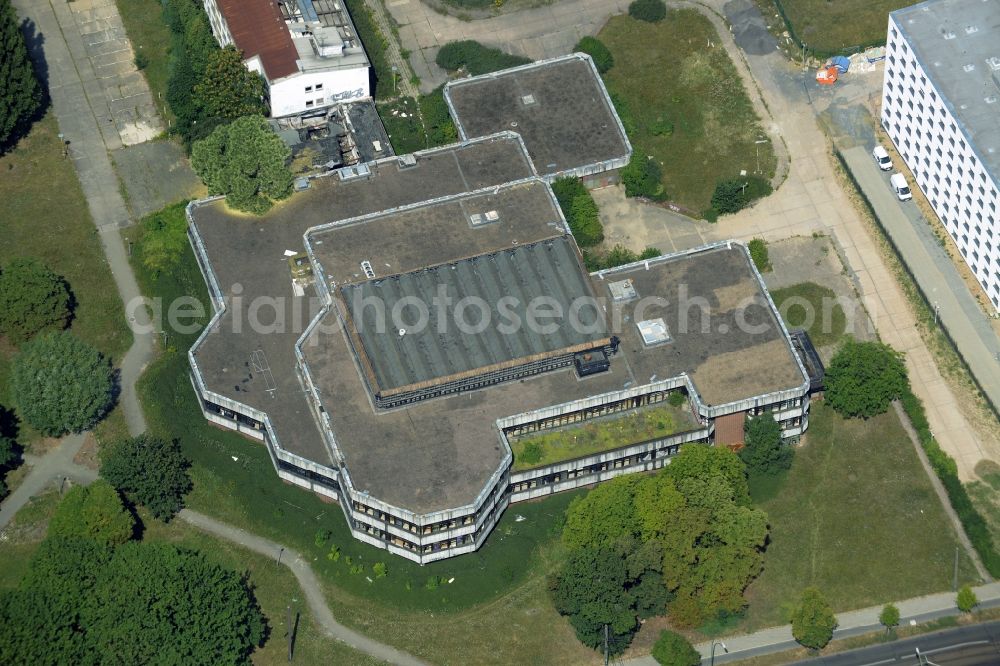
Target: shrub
pixel 676 398
pixel 672 649
pixel 61 384
pixel 532 453
pixel 380 570
pixel 643 178
pixel 596 49
pixel 141 60
pixel 813 621
pixel 734 194
pixel 434 110
pixel 32 299
pixel 20 94
pixel 966 599
pixel 164 238
pixel 889 617
pixel 475 58
pixel 650 11
pixel 580 210
pixel 758 252
pixel 864 377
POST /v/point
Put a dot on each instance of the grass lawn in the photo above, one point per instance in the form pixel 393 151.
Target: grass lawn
pixel 150 39
pixel 985 495
pixel 826 27
pixel 612 432
pixel 812 307
pixel 46 217
pixel 685 106
pixel 857 517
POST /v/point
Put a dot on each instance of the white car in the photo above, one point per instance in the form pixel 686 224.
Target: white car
pixel 900 187
pixel 882 158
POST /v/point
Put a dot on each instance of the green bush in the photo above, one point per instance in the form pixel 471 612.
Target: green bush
pixel 735 194
pixel 650 11
pixel 475 58
pixel 596 49
pixel 863 378
pixel 676 398
pixel 32 299
pixel 580 210
pixel 758 252
pixel 642 177
pixel 672 649
pixel 437 121
pixel 141 60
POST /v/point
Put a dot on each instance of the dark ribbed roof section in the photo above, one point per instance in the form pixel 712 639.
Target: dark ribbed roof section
pixel 507 283
pixel 259 30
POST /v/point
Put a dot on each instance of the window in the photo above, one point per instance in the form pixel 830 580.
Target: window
pixel 309 103
pixel 309 88
pixel 319 86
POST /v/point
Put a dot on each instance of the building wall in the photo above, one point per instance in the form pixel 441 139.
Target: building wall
pixel 219 27
pixel 943 160
pixel 299 94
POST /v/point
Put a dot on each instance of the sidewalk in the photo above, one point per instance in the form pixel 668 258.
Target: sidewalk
pixel 851 623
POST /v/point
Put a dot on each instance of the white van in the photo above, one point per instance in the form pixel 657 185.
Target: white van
pixel 900 187
pixel 882 158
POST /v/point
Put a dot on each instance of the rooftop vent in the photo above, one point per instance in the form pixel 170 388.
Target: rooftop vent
pixel 968 67
pixel 971 29
pixel 653 331
pixel 992 99
pixel 407 161
pixel 527 100
pixel 492 216
pixel 623 290
pixel 947 34
pixel 994 63
pixel 366 266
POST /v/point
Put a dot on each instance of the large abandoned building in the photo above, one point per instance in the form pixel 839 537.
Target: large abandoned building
pixel 416 337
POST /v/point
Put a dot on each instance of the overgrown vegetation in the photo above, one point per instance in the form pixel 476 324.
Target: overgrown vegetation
pixel 650 11
pixel 580 210
pixel 685 539
pixel 814 308
pixel 734 194
pixel 672 649
pixel 837 28
pixel 619 255
pixel 375 47
pixel 681 103
pixel 475 58
pixel 758 252
pixel 596 49
pixel 643 177
pixel 402 123
pixel 437 121
pixel 548 447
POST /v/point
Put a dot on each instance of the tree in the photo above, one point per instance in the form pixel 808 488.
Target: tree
pixel 889 617
pixel 94 512
pixel 672 649
pixel 966 599
pixel 764 452
pixel 20 94
pixel 650 11
pixel 580 210
pixel 228 89
pixel 590 589
pixel 10 455
pixel 475 58
pixel 604 517
pixel 864 377
pixel 759 254
pixel 702 463
pixel 813 621
pixel 246 161
pixel 150 471
pixel 734 194
pixel 596 49
pixel 61 384
pixel 32 299
pixel 642 177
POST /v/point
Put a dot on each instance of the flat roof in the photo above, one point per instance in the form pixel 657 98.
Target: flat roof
pixel 559 106
pixel 723 331
pixel 446 346
pixel 958 45
pixel 258 29
pixel 247 257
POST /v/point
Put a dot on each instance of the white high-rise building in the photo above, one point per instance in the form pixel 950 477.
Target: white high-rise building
pixel 941 107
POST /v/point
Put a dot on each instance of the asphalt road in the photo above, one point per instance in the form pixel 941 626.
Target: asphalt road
pixel 975 645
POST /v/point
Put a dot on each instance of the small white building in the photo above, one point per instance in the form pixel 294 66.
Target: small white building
pixel 307 50
pixel 940 107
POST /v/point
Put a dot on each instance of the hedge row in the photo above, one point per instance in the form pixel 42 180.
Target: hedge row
pixel 375 46
pixel 946 469
pixel 475 58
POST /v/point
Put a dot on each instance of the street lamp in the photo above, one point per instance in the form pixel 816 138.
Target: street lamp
pixel 394 70
pixel 716 644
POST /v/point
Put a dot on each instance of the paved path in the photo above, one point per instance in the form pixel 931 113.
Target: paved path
pixel 307 580
pixel 57 462
pixel 392 52
pixel 80 104
pixel 852 623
